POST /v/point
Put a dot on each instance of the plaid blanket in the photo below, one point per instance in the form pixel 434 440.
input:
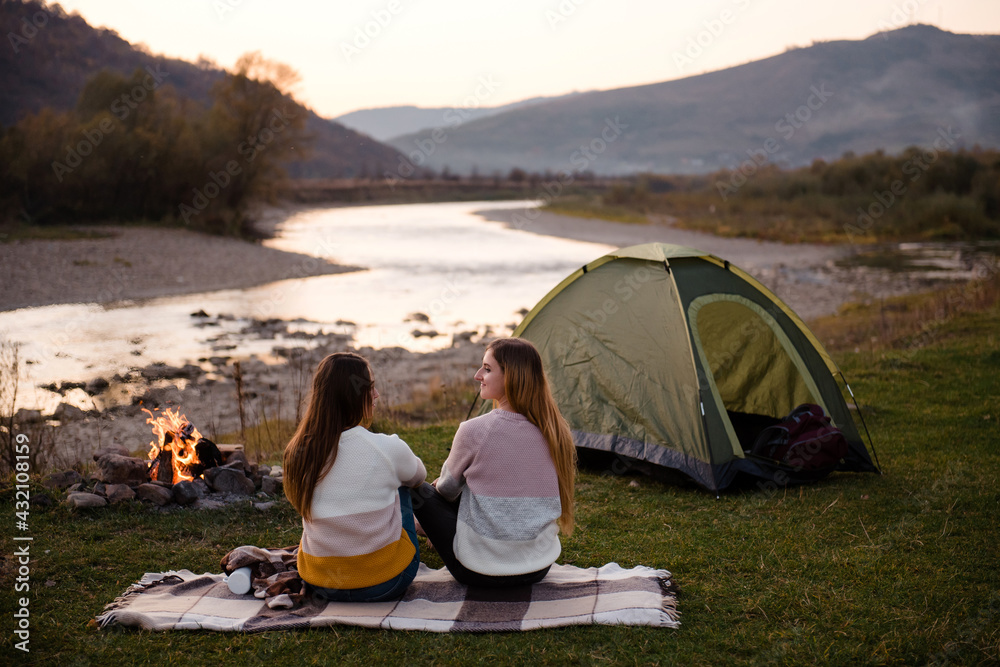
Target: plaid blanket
pixel 434 602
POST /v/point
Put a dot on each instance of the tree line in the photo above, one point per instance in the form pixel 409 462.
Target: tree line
pixel 921 193
pixel 134 149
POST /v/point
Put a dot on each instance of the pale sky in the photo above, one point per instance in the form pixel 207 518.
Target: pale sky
pixel 450 53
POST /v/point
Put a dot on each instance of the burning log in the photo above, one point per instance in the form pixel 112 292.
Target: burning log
pixel 162 467
pixel 207 455
pixel 175 453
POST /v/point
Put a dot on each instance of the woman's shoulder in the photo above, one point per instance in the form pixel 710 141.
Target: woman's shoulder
pixel 493 419
pixel 384 441
pixel 482 421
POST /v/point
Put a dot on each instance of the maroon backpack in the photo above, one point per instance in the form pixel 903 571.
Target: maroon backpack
pixel 805 440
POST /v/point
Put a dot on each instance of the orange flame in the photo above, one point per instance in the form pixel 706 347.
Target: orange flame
pixel 181 443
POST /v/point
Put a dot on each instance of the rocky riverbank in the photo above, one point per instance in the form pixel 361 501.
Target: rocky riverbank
pixel 206 393
pixel 135 263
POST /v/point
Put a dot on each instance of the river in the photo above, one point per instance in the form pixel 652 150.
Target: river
pixel 434 270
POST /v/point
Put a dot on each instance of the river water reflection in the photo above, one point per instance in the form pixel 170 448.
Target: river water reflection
pixel 441 260
pixel 432 272
pixel 464 273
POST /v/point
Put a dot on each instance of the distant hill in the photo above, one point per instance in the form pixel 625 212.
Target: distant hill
pixel 388 122
pixel 339 152
pixel 47 63
pixel 889 91
pixel 50 68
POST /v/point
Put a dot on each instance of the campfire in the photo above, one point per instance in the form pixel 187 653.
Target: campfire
pixel 183 467
pixel 179 452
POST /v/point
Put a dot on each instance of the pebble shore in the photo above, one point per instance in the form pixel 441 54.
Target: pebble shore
pixel 131 263
pixel 135 263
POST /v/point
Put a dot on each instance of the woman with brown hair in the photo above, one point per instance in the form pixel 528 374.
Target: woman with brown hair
pixel 506 490
pixel 350 486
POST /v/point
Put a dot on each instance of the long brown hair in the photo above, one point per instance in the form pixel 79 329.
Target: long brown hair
pixel 342 397
pixel 528 393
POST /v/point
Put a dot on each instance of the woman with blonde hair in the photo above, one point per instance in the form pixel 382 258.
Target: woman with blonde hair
pixel 349 485
pixel 506 490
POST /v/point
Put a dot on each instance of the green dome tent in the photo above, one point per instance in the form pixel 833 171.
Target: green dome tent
pixel 672 356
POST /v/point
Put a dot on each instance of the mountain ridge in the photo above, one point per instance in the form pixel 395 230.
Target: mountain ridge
pixel 386 123
pixel 889 91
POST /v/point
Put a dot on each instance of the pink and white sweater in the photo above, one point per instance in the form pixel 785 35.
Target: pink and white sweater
pixel 501 470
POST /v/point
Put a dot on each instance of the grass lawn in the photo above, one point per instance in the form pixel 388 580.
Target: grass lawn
pixel 857 569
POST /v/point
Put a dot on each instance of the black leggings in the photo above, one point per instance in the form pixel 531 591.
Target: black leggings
pixel 438 517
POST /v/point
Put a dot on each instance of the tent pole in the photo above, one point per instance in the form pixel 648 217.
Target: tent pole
pixel 472 407
pixel 862 415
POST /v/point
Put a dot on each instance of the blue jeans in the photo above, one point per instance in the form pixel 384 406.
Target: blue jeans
pixel 389 590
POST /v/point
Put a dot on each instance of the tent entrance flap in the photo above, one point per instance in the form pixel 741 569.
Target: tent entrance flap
pixel 752 365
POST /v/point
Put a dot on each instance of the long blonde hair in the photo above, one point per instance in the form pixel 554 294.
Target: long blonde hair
pixel 527 392
pixel 342 397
